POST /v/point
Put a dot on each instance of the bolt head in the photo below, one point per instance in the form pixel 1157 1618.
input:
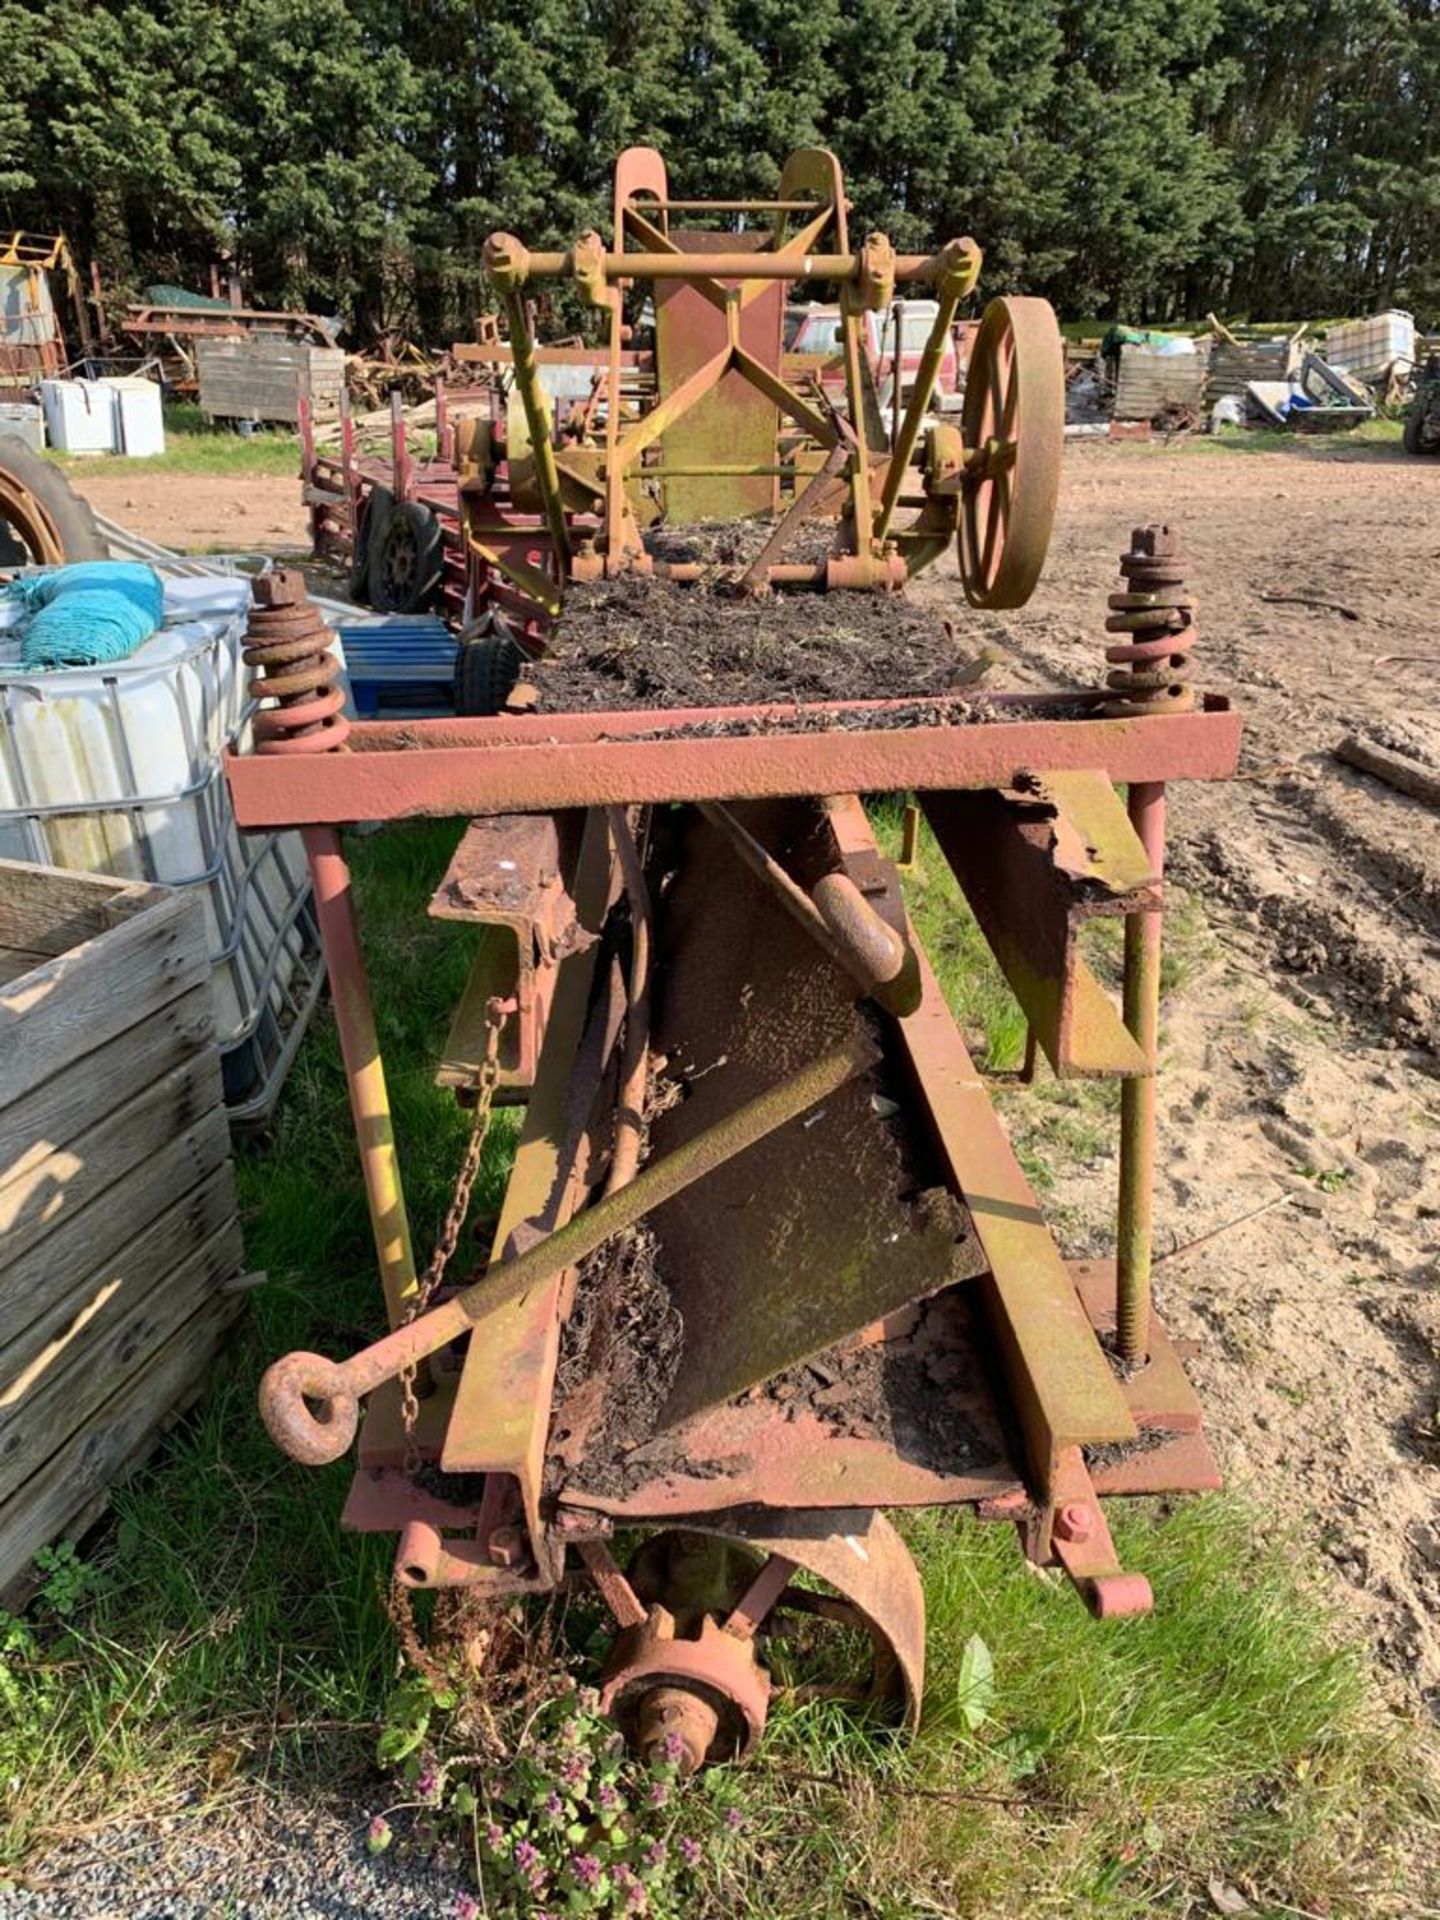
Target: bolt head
pixel 506 1547
pixel 1075 1520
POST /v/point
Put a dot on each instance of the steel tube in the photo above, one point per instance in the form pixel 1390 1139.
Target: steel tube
pixel 736 266
pixel 364 1069
pixel 537 419
pixel 908 431
pixel 311 1405
pixel 1136 1215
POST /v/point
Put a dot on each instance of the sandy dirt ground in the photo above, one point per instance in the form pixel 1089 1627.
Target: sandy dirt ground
pixel 201 512
pixel 1300 1056
pixel 1301 1050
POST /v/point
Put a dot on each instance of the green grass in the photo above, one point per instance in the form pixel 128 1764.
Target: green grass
pixel 1378 433
pixel 195 445
pixel 238 1640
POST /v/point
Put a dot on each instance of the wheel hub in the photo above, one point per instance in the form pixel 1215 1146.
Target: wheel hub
pixel 708 1690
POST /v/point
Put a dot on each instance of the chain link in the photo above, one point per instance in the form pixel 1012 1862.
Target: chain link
pixel 449 1236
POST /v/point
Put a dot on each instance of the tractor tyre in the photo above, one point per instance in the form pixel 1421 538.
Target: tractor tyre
pixel 43 521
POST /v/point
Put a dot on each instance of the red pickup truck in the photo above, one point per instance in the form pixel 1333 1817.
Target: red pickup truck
pixel 812 335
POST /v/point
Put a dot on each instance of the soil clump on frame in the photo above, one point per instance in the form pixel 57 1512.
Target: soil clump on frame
pixel 641 642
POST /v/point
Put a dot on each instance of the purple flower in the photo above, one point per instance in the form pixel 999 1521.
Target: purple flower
pixel 576 1770
pixel 554 1806
pixel 527 1855
pixel 378 1835
pixel 494 1837
pixel 426 1783
pixel 607 1798
pixel 734 1819
pixel 656 1853
pixel 673 1748
pixel 466 1907
pixel 586 1869
pixel 690 1851
pixel 636 1898
pixel 659 1794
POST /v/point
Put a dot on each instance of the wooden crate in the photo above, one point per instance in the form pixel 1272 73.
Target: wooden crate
pixel 119 1237
pixel 263 378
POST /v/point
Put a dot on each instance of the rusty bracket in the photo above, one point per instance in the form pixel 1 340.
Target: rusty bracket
pixel 1036 861
pixel 512 875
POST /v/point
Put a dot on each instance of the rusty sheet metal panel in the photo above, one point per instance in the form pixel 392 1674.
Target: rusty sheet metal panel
pixel 1035 864
pixel 510 764
pixel 736 417
pixel 830 1223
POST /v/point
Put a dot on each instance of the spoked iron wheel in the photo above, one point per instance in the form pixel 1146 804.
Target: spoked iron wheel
pixel 715 1626
pixel 1014 433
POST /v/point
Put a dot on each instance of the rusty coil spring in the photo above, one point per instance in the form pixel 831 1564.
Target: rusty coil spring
pixel 1150 672
pixel 288 644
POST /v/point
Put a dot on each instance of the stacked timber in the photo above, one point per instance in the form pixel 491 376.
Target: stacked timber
pixel 119 1238
pixel 265 377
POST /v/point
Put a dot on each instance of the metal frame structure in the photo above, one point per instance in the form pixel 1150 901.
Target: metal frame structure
pixel 829 1193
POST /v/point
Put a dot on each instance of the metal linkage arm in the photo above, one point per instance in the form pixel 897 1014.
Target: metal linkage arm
pixel 311 1405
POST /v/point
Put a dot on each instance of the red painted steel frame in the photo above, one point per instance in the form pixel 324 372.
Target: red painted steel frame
pixel 533 764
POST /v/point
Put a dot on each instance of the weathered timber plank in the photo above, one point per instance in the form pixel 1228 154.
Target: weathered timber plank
pixel 50 909
pixel 43 1405
pixel 73 1099
pixel 78 1001
pixel 96 1457
pixel 98 1245
pixel 50 1184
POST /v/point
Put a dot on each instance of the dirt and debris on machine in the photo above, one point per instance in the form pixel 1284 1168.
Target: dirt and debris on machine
pixel 767 1264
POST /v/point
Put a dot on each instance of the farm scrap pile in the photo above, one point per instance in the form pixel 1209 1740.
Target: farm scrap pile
pixel 767 1263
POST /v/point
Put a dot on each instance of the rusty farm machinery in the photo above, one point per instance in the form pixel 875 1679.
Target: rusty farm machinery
pixel 767 1264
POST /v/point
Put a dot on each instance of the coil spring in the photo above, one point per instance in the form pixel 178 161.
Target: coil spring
pixel 288 644
pixel 1150 673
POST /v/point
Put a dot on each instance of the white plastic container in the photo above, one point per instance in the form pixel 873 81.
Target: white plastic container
pixel 139 422
pixel 79 415
pixel 23 422
pixel 1369 348
pixel 117 770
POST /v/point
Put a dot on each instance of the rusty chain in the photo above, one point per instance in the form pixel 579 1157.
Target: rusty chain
pixel 449 1235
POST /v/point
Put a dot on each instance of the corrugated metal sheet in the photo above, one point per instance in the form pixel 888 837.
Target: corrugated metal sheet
pixel 263 378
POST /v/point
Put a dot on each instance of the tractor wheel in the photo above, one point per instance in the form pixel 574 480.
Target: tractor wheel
pixel 1014 433
pixel 406 558
pixel 486 668
pixel 43 521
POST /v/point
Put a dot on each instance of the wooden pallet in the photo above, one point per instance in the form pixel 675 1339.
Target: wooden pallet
pixel 120 1242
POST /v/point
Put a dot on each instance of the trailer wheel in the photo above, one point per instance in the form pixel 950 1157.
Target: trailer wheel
pixel 406 559
pixel 486 668
pixel 376 511
pixel 43 521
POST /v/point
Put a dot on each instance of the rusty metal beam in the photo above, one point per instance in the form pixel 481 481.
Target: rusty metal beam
pixel 510 764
